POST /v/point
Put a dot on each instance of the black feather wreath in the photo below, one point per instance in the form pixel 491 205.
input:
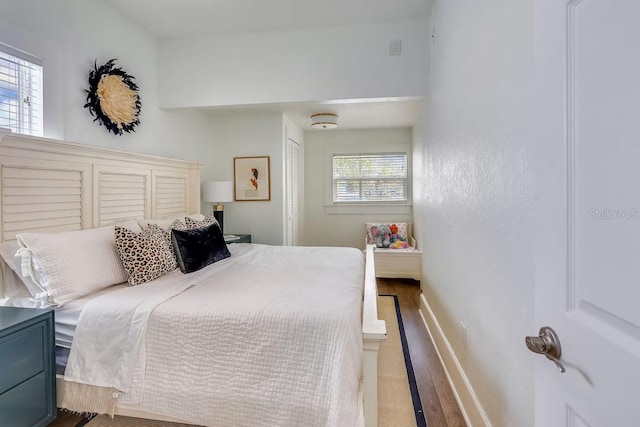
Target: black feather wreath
pixel 113 99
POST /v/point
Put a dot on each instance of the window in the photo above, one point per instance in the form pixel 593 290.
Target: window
pixel 20 92
pixel 372 178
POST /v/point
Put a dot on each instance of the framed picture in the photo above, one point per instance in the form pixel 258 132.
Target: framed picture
pixel 252 178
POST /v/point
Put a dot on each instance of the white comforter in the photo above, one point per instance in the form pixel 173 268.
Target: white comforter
pixel 268 337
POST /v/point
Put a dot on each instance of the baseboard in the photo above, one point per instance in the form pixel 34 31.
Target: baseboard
pixel 472 410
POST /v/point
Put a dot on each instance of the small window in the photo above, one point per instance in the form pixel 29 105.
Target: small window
pixel 372 178
pixel 20 92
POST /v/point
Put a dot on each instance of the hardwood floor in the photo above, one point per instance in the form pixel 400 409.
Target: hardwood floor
pixel 68 419
pixel 438 403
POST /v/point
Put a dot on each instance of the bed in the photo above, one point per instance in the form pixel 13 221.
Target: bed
pixel 268 336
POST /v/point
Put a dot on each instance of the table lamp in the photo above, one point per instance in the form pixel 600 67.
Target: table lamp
pixel 218 192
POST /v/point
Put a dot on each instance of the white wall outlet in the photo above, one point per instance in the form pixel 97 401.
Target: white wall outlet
pixel 395 47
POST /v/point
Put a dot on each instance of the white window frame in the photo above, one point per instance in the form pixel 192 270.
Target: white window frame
pixel 26 126
pixel 357 207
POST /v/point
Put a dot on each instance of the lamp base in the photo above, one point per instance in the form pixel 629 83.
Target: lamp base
pixel 219 216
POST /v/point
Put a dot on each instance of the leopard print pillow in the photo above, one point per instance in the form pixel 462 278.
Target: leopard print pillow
pixel 207 221
pixel 175 225
pixel 146 255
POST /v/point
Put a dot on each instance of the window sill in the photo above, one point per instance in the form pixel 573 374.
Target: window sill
pixel 359 209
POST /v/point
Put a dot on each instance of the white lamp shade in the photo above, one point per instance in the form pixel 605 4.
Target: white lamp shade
pixel 217 191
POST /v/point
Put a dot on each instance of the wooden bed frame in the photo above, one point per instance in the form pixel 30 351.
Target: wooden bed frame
pixel 49 185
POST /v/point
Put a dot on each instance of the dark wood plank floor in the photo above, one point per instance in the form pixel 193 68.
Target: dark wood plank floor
pixel 438 403
pixel 68 419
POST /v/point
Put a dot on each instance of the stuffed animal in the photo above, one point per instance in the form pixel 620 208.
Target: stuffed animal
pixel 399 244
pixel 381 235
pixel 394 232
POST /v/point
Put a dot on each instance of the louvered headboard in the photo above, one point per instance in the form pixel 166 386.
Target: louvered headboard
pixel 49 185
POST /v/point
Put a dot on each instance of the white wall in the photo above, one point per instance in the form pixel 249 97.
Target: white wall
pixel 69 35
pixel 241 135
pixel 474 198
pixel 303 65
pixel 321 228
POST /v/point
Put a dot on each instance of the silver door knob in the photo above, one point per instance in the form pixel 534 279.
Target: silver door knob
pixel 546 343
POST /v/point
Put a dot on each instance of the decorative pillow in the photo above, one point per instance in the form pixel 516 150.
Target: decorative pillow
pixel 71 264
pixel 175 225
pixel 168 222
pixel 198 247
pixel 130 224
pixel 146 255
pixel 207 221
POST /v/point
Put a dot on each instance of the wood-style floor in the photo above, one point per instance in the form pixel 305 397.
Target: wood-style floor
pixel 438 403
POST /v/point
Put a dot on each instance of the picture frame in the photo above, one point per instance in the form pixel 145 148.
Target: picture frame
pixel 252 178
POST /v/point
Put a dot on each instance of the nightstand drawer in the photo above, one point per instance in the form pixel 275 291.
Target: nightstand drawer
pixel 26 404
pixel 22 356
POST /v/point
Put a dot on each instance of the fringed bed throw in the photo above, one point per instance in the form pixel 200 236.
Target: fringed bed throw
pixel 79 397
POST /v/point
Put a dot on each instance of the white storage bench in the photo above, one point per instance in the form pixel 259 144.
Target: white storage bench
pixel 396 263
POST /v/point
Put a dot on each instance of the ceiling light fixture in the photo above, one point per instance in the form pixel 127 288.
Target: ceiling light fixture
pixel 324 121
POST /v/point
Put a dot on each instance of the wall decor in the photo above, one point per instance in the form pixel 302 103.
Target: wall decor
pixel 113 98
pixel 252 178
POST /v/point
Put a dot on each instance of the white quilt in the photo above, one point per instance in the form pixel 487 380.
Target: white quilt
pixel 268 337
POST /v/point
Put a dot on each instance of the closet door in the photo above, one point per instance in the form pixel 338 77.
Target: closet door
pixel 293 193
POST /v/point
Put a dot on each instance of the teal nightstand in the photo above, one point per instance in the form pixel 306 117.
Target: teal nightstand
pixel 27 367
pixel 237 238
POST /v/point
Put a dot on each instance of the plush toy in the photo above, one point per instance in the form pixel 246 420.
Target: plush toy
pixel 381 235
pixel 399 244
pixel 394 232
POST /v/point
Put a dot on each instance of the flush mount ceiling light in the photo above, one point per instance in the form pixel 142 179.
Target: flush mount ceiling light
pixel 324 121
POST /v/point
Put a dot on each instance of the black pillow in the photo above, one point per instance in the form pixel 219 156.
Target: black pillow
pixel 198 247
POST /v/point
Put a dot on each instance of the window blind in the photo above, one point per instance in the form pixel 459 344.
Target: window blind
pixel 20 92
pixel 370 177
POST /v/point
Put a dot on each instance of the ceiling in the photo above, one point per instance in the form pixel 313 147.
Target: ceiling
pixel 354 114
pixel 168 19
pixel 186 18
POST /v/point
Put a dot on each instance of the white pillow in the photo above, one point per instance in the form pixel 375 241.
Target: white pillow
pixel 130 224
pixel 166 222
pixel 71 264
pixel 16 293
pixel 16 286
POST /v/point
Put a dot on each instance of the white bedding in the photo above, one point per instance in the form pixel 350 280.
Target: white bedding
pixel 268 337
pixel 67 316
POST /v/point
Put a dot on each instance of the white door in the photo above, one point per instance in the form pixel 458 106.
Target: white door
pixel 587 137
pixel 293 193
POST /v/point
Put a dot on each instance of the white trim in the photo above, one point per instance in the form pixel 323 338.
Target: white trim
pixel 25 56
pixel 330 207
pixel 363 209
pixel 374 333
pixel 472 410
pixel 59 148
